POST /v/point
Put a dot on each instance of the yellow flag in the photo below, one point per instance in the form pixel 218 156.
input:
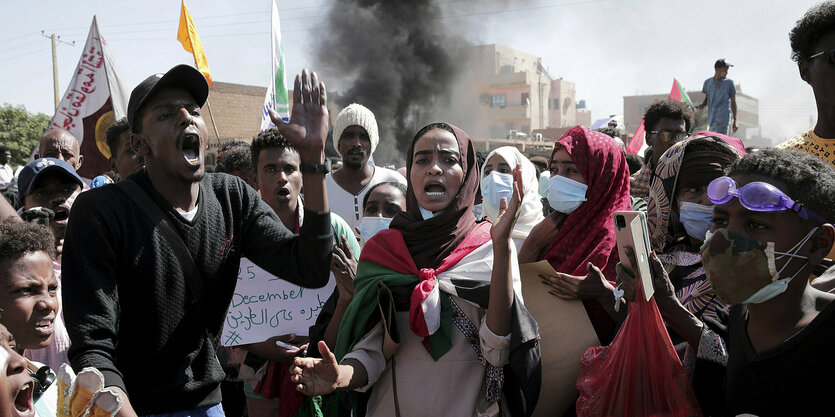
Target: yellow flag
pixel 187 35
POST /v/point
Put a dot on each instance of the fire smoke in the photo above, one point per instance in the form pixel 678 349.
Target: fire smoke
pixel 394 57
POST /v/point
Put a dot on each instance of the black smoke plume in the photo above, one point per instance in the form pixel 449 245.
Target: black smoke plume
pixel 394 57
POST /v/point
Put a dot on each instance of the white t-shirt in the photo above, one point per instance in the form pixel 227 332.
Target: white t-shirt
pixel 6 176
pixel 349 206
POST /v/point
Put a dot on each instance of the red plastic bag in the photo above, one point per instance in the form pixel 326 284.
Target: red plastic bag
pixel 639 374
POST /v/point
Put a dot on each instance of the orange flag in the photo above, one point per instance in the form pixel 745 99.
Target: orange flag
pixel 187 35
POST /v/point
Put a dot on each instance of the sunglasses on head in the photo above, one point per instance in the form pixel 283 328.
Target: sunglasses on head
pixel 757 196
pixel 830 56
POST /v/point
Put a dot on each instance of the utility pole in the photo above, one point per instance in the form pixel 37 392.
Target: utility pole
pixel 55 39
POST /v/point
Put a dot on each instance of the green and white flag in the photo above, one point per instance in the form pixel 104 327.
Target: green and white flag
pixel 277 97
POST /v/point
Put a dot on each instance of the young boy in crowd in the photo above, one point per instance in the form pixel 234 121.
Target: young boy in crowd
pixel 770 231
pixel 123 159
pixel 29 294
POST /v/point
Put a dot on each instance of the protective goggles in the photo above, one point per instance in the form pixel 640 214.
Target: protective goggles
pixel 757 196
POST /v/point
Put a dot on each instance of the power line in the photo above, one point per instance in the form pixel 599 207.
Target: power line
pixel 17 37
pixel 10 58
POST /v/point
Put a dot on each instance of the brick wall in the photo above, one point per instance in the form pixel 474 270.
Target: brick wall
pixel 236 109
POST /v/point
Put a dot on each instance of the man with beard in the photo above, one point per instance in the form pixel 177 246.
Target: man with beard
pixel 720 94
pixel 356 136
pixel 150 263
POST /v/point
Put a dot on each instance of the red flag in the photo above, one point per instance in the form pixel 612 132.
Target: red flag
pixel 677 93
pixel 95 98
pixel 637 143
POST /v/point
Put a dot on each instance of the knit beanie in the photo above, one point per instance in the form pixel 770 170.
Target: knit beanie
pixel 356 114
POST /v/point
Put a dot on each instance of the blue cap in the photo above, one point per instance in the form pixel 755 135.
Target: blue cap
pixel 29 173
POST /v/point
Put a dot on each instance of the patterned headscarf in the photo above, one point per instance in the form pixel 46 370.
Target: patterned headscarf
pixel 662 191
pixel 588 234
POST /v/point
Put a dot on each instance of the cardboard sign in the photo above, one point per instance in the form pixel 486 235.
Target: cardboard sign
pixel 265 305
pixel 566 333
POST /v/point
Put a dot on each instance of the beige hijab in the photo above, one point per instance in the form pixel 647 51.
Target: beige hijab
pixel 531 210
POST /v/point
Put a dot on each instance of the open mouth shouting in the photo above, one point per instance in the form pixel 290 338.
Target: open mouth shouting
pixel 283 194
pixel 62 213
pixel 23 401
pixel 44 327
pixel 189 142
pixel 435 190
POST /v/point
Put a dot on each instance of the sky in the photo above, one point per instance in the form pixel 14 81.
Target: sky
pixel 608 48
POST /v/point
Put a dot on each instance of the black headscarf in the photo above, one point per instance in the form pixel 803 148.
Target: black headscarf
pixel 431 241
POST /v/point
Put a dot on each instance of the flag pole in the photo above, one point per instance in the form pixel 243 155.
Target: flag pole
pixel 211 116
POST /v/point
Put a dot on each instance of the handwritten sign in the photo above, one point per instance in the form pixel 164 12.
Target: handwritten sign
pixel 264 306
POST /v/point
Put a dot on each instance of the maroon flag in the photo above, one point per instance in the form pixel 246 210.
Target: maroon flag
pixel 95 98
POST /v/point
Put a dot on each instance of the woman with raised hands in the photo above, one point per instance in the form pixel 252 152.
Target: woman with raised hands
pixel 456 293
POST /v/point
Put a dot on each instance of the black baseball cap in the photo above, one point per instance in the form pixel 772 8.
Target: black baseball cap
pixel 720 63
pixel 30 173
pixel 182 76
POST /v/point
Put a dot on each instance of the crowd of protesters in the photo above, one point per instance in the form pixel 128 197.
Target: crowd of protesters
pixel 125 281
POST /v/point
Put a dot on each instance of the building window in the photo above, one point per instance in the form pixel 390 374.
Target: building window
pixel 484 98
pixel 497 101
pixel 526 99
pixel 507 69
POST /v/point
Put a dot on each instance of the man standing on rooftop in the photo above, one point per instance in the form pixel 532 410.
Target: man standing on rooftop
pixel 720 99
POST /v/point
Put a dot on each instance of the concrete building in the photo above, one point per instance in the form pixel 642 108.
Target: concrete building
pixel 748 114
pixel 504 90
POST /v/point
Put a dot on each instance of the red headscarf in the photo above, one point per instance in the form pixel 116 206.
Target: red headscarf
pixel 588 234
pixel 431 241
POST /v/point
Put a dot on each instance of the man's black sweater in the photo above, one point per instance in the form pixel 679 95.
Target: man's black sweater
pixel 127 303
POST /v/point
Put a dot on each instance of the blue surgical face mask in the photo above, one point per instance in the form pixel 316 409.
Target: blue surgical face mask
pixel 565 195
pixel 780 285
pixel 696 218
pixel 370 226
pixel 544 180
pixel 494 186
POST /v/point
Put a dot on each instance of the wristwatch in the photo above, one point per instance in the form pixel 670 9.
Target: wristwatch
pixel 310 168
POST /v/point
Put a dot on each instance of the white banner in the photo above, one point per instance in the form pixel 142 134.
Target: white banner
pixel 85 110
pixel 264 306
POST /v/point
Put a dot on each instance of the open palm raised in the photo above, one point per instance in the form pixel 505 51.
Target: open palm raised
pixel 307 129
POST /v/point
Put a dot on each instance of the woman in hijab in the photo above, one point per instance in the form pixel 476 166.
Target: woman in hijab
pixel 497 182
pixel 455 288
pixel 589 182
pixel 680 214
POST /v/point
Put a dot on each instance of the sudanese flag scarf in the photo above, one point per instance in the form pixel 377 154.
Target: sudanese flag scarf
pixel 408 255
pixel 588 234
pixel 418 260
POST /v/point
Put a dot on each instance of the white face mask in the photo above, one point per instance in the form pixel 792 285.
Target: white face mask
pixel 370 226
pixel 565 195
pixel 696 218
pixel 494 186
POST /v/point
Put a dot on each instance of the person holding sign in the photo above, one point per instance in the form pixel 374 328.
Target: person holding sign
pixel 589 182
pixel 447 290
pixel 151 263
pixel 276 165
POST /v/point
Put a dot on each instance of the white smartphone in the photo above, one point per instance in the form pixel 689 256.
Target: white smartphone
pixel 631 231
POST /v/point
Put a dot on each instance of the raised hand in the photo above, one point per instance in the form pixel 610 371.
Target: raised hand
pixel 308 126
pixel 344 268
pixel 509 210
pixel 315 376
